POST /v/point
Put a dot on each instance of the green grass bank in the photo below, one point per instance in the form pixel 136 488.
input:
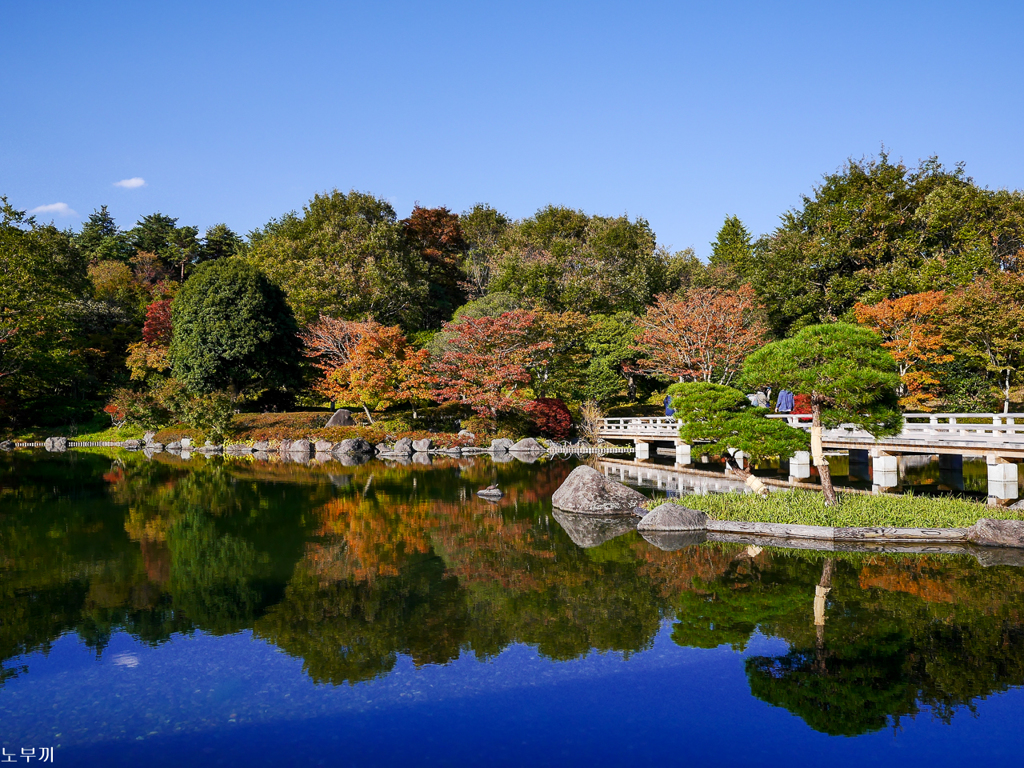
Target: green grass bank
pixel 800 507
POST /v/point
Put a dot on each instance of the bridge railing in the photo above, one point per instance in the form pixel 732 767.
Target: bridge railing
pixel 639 426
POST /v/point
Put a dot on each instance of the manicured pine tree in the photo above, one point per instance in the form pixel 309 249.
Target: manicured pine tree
pixel 850 378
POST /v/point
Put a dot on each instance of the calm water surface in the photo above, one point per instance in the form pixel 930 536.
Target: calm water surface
pixel 159 612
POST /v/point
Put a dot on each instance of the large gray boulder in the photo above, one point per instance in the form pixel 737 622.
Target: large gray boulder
pixel 283 446
pixel 323 446
pixel 149 437
pixel 467 434
pixel 132 445
pixel 262 446
pixel 299 446
pixel 501 444
pixel 238 449
pixel 988 532
pixel 56 444
pixel 422 445
pixel 403 446
pixel 353 446
pixel 174 445
pixel 341 418
pixel 527 445
pixel 673 517
pixel 593 530
pixel 586 491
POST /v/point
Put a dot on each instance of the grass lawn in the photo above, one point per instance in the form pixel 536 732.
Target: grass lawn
pixel 854 510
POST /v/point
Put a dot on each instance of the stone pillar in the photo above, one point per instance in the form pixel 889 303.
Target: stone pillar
pixel 1002 478
pixel 884 473
pixel 683 454
pixel 643 450
pixel 800 466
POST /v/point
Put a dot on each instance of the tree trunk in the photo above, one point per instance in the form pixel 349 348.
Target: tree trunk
pixel 820 593
pixel 367 410
pixel 1006 393
pixel 819 457
pixel 414 416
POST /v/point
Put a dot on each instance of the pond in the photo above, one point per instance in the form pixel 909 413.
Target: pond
pixel 232 612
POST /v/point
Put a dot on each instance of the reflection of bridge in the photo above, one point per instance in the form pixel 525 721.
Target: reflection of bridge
pixel 998 438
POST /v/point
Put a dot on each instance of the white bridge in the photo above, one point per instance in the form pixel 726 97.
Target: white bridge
pixel 996 437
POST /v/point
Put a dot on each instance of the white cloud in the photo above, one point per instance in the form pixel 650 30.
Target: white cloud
pixel 58 209
pixel 133 183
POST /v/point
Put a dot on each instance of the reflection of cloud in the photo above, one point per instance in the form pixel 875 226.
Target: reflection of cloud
pixel 133 183
pixel 129 660
pixel 60 209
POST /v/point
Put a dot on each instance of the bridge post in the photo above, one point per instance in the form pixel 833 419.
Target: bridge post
pixel 884 472
pixel 800 466
pixel 643 450
pixel 683 454
pixel 1002 478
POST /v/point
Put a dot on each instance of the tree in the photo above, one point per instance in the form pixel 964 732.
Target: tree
pixel 722 420
pixel 612 346
pixel 482 229
pixel 381 369
pixel 488 360
pixel 102 240
pixel 232 328
pixel 849 376
pixel 912 332
pixel 986 323
pixel 219 242
pixel 702 337
pixel 436 235
pixel 877 229
pixel 733 249
pixel 345 256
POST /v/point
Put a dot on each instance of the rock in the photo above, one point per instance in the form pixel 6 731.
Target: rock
pixel 323 446
pixel 421 458
pixel 56 444
pixel 341 418
pixel 503 457
pixel 422 445
pixel 262 446
pixel 148 437
pixel 586 491
pixel 593 530
pixel 238 449
pixel 403 446
pixel 157 447
pixel 132 445
pixel 673 517
pixel 383 448
pixel 283 445
pixel 211 450
pixel 992 556
pixel 174 445
pixel 353 446
pixel 501 444
pixel 988 532
pixel 527 445
pixel 467 434
pixel 454 451
pixel 7 445
pixel 670 541
pixel 299 446
pixel 186 442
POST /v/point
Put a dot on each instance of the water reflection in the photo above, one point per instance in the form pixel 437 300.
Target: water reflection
pixel 351 568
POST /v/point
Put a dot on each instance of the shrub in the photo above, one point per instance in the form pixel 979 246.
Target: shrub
pixel 550 417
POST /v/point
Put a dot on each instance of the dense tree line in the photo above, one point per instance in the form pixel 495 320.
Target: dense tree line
pixel 487 314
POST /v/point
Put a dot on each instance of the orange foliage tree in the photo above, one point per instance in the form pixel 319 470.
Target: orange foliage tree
pixel 487 361
pixel 910 329
pixel 703 336
pixel 367 363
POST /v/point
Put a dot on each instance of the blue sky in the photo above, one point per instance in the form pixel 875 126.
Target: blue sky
pixel 679 112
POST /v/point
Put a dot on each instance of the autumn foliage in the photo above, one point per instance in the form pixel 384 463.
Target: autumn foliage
pixel 704 336
pixel 550 416
pixel 911 330
pixel 488 360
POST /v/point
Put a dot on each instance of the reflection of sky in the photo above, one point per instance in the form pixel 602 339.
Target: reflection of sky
pixel 205 700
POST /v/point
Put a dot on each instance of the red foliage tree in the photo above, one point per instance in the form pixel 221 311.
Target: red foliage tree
pixel 488 360
pixel 551 417
pixel 157 328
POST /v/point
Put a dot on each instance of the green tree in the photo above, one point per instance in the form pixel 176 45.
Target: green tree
pixel 849 376
pixel 42 274
pixel 733 248
pixel 232 328
pixel 876 230
pixel 346 256
pixel 219 242
pixel 102 240
pixel 611 343
pixel 483 228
